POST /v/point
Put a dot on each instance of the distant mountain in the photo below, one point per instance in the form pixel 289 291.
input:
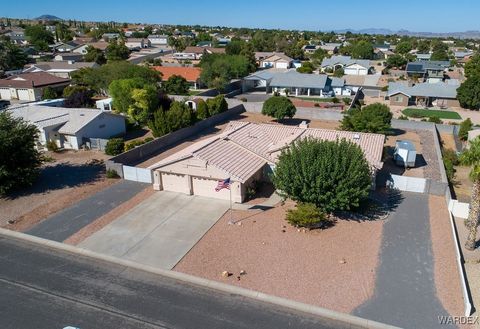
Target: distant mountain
pixel 48 18
pixel 460 35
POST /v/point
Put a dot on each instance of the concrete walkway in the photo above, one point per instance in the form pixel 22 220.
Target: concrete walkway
pixel 160 230
pixel 405 293
pixel 65 223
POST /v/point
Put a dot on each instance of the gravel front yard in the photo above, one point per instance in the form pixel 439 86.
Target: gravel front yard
pixel 332 268
pixel 68 179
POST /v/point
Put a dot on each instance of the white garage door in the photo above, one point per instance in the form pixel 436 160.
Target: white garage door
pixel 206 187
pixel 23 94
pixel 175 183
pixel 5 93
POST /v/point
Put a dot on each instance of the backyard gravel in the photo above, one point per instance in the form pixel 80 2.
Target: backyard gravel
pixel 332 268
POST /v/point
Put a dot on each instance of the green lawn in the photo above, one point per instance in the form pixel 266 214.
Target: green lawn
pixel 193 92
pixel 421 113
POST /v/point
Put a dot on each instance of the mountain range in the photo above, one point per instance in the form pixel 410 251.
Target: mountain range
pixel 461 35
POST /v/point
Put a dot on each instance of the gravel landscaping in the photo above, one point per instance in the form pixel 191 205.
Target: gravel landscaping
pixel 332 268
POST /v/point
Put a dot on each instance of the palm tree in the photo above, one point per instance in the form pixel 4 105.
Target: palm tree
pixel 471 157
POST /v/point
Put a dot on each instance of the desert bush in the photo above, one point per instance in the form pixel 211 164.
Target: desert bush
pixel 307 215
pixel 112 174
pixel 114 146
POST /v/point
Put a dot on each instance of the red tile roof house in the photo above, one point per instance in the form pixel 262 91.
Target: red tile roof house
pixel 245 153
pixel 29 86
pixel 191 74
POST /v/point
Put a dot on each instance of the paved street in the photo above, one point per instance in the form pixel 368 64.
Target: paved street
pixel 405 292
pixel 160 230
pixel 42 288
pixel 65 223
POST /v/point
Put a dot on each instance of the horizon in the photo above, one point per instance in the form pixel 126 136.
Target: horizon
pixel 211 13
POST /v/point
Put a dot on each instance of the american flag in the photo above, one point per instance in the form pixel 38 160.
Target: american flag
pixel 223 184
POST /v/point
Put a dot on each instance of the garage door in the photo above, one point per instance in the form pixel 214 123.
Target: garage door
pixel 4 93
pixel 175 183
pixel 206 187
pixel 23 94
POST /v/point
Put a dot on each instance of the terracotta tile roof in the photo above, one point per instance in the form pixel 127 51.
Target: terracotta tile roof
pixel 34 79
pixel 191 74
pixel 243 148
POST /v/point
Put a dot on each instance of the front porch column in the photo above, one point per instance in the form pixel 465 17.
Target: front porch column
pixel 308 91
pixel 296 91
pixel 190 184
pixel 157 181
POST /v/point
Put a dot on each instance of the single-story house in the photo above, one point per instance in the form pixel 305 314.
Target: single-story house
pixel 17 36
pixel 82 49
pixel 276 61
pixel 424 94
pixel 158 40
pixel 62 69
pixel 191 74
pixel 310 49
pixel 70 128
pixel 246 153
pixel 295 84
pixel 366 82
pixel 65 47
pixel 110 36
pixel 63 57
pixel 30 86
pixel 463 56
pixel 423 57
pixel 331 47
pixel 349 65
pixel 430 71
pixel 137 43
pixel 104 104
pixel 200 51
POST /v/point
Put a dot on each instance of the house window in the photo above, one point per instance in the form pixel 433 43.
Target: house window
pixel 399 98
pixel 101 126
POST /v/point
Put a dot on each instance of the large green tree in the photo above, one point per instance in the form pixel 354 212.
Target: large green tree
pixel 333 175
pixel 363 50
pixel 11 56
pixel 121 92
pixel 95 55
pixel 279 107
pixel 219 69
pixel 374 118
pixel 116 51
pixel 176 85
pixel 19 160
pixel 468 94
pixel 39 37
pixel 472 67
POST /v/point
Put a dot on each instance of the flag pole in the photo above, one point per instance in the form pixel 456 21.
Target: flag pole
pixel 231 219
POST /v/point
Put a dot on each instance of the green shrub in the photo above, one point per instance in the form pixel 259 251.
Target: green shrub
pixel 347 100
pixel 114 146
pixel 335 100
pixel 49 93
pixel 133 144
pixel 202 110
pixel 217 105
pixel 403 117
pixel 307 215
pixel 465 127
pixel 52 146
pixel 279 107
pixel 435 119
pixel 149 139
pixel 112 174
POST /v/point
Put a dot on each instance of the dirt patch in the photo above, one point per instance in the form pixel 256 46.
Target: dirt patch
pixel 71 177
pixel 462 185
pixel 448 141
pixel 447 279
pixel 332 268
pixel 109 217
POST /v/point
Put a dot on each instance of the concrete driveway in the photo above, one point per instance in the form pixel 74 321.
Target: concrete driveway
pixel 160 230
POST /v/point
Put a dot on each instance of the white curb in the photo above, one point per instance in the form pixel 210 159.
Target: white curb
pixel 348 319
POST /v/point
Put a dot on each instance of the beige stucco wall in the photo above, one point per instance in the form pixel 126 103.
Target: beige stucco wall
pixel 403 100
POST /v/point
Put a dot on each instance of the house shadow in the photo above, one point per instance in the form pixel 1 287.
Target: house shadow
pixel 396 132
pixel 293 121
pixel 60 176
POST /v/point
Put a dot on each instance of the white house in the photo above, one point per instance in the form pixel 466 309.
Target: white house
pixel 62 69
pixel 70 128
pixel 276 61
pixel 349 65
pixel 158 40
pixel 137 43
pixel 30 86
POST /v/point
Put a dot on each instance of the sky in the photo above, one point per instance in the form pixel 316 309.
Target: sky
pixel 418 16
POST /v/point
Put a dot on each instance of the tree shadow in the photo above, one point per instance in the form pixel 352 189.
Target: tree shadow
pixel 60 176
pixel 396 132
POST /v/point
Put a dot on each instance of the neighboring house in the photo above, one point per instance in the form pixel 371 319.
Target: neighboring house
pixel 104 104
pixel 137 43
pixel 17 36
pixel 84 40
pixel 65 47
pixel 70 128
pixel 30 86
pixel 63 57
pixel 200 51
pixel 430 71
pixel 423 57
pixel 246 153
pixel 158 40
pixel 82 49
pixel 295 84
pixel 191 74
pixel 331 48
pixel 366 82
pixel 349 65
pixel 463 56
pixel 423 94
pixel 276 61
pixel 310 49
pixel 62 69
pixel 110 36
pixel 382 54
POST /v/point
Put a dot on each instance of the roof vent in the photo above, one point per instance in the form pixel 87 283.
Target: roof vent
pixel 303 124
pixel 356 136
pixel 82 114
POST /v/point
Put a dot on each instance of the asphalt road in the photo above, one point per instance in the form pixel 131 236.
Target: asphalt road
pixel 43 288
pixel 405 293
pixel 67 222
